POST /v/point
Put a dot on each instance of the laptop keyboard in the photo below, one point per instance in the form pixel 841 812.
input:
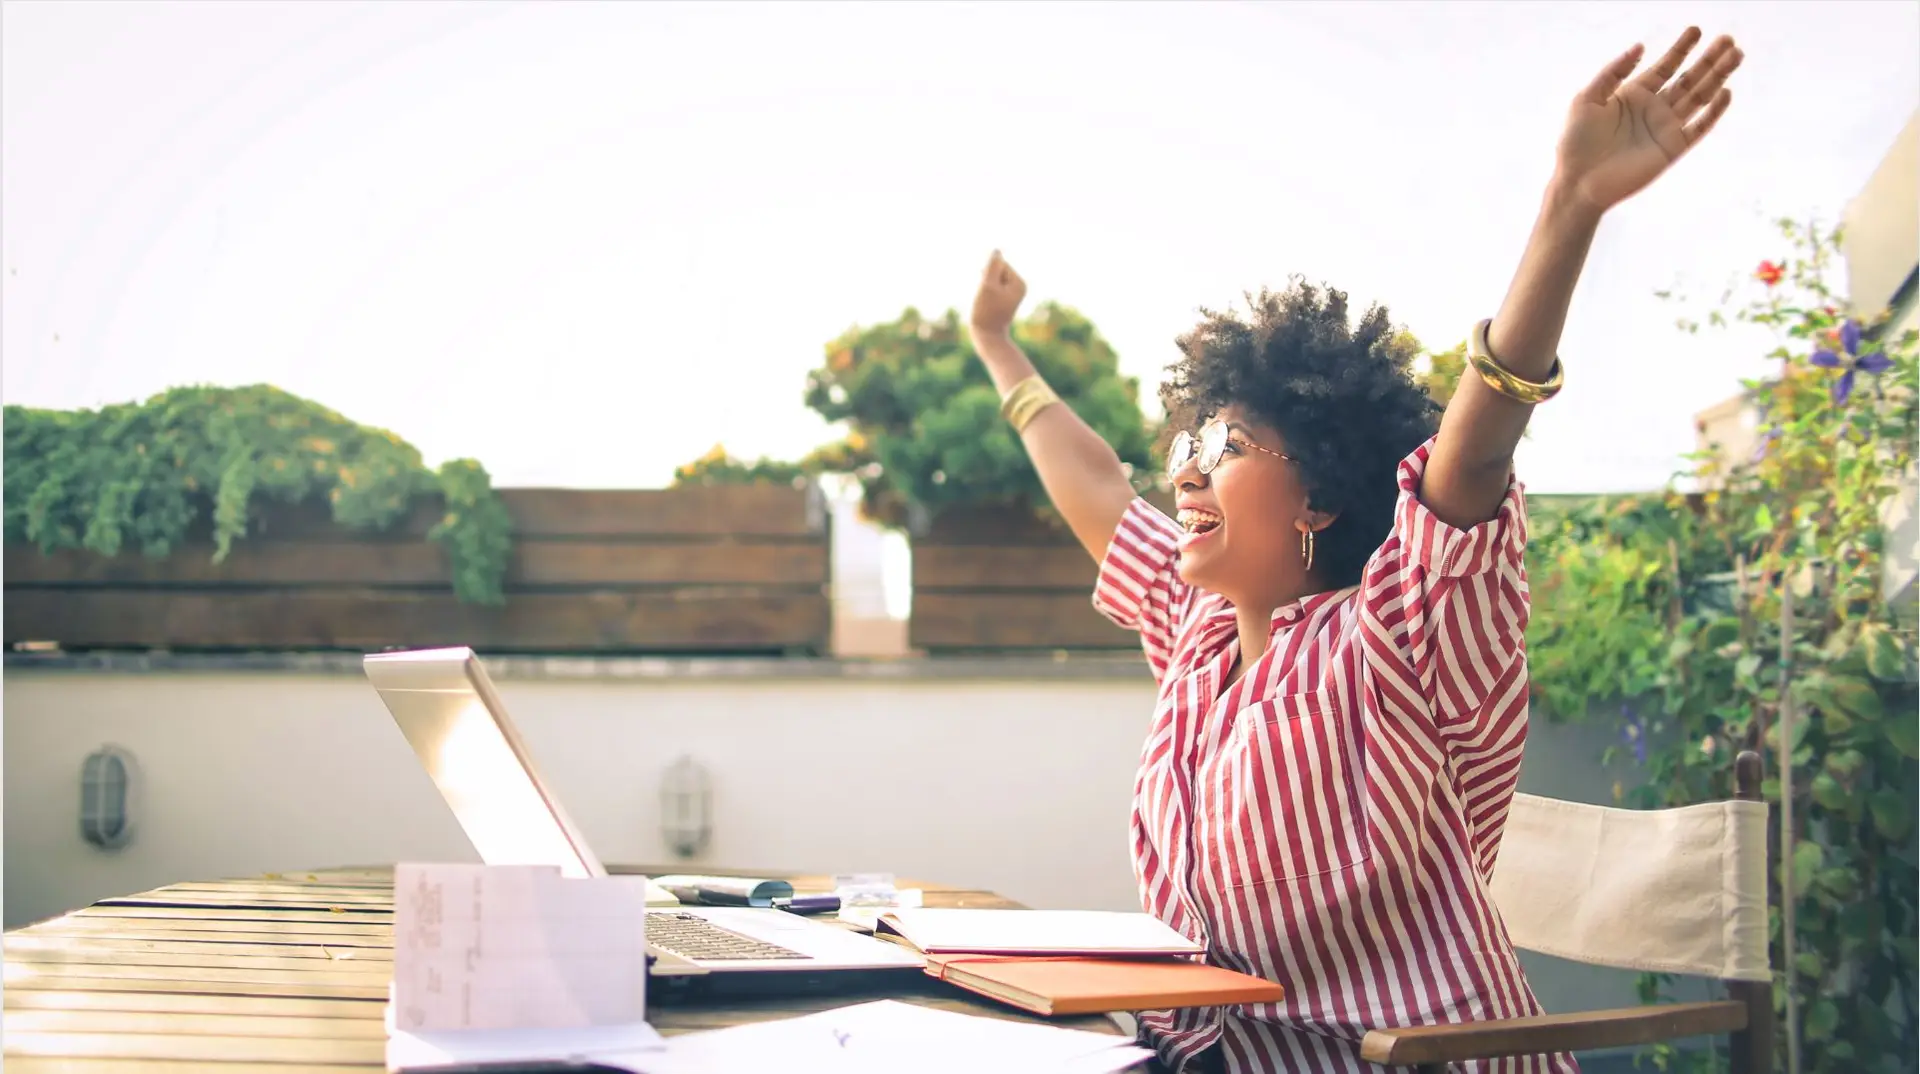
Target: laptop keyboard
pixel 697 938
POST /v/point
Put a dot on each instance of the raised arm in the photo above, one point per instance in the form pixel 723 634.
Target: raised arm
pixel 1082 474
pixel 1620 135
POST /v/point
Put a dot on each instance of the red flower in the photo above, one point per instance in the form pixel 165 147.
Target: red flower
pixel 1769 273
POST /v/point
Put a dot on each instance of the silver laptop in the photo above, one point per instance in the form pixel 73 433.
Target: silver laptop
pixel 453 718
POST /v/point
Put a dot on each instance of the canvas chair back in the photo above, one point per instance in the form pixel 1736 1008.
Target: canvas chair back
pixel 1680 891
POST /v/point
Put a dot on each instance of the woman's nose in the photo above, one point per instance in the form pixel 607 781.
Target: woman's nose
pixel 1188 476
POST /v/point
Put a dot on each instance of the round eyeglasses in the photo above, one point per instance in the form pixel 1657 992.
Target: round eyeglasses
pixel 1210 445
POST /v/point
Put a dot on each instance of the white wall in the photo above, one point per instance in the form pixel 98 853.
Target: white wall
pixel 1021 787
pixel 1018 784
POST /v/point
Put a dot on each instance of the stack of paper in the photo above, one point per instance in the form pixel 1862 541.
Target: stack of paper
pixel 425 1050
pixel 889 1036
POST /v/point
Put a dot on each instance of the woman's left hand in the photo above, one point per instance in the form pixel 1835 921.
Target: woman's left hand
pixel 1621 134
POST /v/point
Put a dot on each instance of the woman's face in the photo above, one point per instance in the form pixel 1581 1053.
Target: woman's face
pixel 1243 521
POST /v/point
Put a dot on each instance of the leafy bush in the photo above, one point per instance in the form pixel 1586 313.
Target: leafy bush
pixel 1670 608
pixel 717 467
pixel 141 475
pixel 924 418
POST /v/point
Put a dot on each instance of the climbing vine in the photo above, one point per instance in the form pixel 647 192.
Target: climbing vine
pixel 141 475
pixel 1669 607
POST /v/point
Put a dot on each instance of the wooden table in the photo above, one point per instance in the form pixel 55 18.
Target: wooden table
pixel 285 973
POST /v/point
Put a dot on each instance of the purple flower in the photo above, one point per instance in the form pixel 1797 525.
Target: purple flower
pixel 1853 361
pixel 1634 732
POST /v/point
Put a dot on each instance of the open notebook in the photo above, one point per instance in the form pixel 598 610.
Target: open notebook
pixel 941 930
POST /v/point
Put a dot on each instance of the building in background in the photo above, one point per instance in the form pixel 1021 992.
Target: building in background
pixel 869 597
pixel 1880 243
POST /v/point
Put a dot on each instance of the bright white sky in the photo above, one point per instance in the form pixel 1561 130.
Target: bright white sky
pixel 584 242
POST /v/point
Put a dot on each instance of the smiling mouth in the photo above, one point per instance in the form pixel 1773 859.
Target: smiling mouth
pixel 1198 522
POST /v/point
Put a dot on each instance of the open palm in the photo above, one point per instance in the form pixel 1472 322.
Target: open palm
pixel 1623 133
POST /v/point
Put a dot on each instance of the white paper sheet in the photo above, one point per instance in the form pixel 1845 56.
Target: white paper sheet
pixel 516 947
pixel 891 1036
pixel 617 1045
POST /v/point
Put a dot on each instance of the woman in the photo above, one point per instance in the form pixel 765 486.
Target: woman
pixel 1336 620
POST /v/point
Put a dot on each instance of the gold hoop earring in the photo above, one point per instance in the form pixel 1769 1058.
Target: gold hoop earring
pixel 1306 547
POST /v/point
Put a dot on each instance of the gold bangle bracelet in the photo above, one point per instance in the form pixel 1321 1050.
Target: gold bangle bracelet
pixel 1502 380
pixel 1025 400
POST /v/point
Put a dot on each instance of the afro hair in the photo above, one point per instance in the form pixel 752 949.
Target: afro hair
pixel 1343 395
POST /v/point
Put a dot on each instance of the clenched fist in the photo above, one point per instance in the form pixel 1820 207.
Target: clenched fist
pixel 999 297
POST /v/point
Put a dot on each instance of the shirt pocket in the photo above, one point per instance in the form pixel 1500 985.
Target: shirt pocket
pixel 1296 809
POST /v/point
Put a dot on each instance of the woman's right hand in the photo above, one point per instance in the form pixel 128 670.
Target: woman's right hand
pixel 1082 475
pixel 994 305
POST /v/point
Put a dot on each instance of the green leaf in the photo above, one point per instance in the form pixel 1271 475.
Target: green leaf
pixel 1886 656
pixel 1763 518
pixel 1841 883
pixel 1799 728
pixel 1829 793
pixel 1845 764
pixel 1854 697
pixel 1807 860
pixel 1722 631
pixel 1822 1019
pixel 1904 734
pixel 1892 816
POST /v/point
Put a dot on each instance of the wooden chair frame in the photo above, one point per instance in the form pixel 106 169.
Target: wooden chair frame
pixel 1746 1016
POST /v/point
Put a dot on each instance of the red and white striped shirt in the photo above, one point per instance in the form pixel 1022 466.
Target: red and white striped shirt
pixel 1330 822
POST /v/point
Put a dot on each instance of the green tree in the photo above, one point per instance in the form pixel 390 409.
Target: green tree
pixel 1671 606
pixel 1443 372
pixel 717 467
pixel 924 419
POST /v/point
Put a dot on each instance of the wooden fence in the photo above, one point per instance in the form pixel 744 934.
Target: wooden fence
pixel 987 581
pixel 725 569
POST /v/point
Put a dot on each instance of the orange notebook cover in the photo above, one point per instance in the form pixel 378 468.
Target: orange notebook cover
pixel 1058 986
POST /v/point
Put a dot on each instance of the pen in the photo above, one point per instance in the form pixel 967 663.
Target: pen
pixel 809 904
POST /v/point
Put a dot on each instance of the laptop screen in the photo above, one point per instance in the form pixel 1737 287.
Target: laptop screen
pixel 451 716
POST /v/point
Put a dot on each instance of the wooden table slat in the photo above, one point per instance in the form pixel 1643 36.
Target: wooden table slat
pixel 209 913
pixel 204 1049
pixel 359 900
pixel 64 982
pixel 193 927
pixel 334 974
pixel 265 943
pixel 282 887
pixel 201 956
pixel 195 900
pixel 21 1064
pixel 189 1003
pixel 194 1025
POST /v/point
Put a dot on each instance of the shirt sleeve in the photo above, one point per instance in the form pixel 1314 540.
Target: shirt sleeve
pixel 1448 610
pixel 1139 587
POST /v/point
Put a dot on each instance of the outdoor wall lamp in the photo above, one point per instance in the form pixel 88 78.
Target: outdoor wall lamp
pixel 686 807
pixel 108 781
